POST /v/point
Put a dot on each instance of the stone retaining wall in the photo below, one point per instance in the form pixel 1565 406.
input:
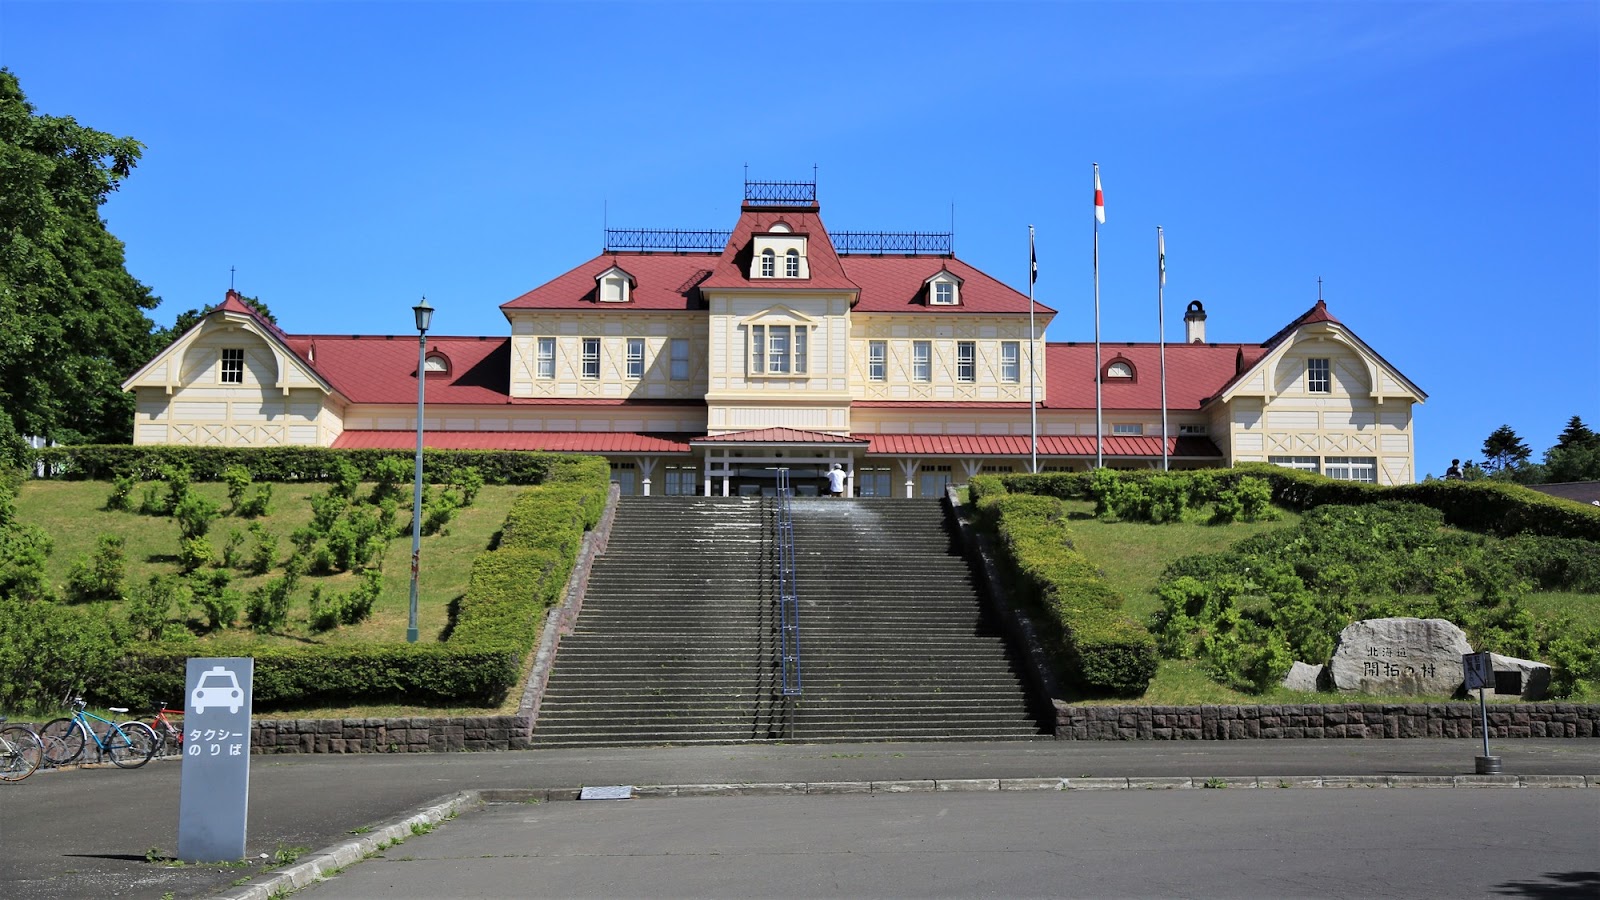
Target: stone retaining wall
pixel 435 734
pixel 1338 720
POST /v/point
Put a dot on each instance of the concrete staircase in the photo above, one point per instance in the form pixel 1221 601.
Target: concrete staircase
pixel 677 641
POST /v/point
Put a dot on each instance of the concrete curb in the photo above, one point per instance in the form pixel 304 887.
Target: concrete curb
pixel 331 860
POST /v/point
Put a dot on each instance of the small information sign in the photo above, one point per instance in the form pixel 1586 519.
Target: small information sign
pixel 1477 671
pixel 214 790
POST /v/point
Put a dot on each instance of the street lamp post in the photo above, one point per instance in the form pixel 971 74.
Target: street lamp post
pixel 424 314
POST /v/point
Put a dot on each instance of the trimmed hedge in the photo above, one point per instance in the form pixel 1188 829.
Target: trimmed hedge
pixel 290 464
pixel 494 628
pixel 1487 507
pixel 1105 650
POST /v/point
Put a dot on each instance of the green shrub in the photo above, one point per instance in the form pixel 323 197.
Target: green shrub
pixel 98 578
pixel 233 549
pixel 1106 651
pixel 390 473
pixel 219 603
pixel 326 508
pixel 193 552
pixel 258 504
pixel 149 608
pixel 152 504
pixel 121 493
pixel 268 605
pixel 346 479
pixel 179 482
pixel 46 648
pixel 238 480
pixel 194 515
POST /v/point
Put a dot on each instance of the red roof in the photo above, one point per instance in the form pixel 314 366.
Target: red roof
pixel 382 369
pixel 733 267
pixel 1195 373
pixel 896 284
pixel 777 435
pixel 563 441
pixel 1049 445
pixel 661 282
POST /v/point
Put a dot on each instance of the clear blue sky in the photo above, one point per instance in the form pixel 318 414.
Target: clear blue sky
pixel 1438 165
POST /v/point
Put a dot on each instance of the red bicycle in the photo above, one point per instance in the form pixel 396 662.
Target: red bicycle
pixel 169 734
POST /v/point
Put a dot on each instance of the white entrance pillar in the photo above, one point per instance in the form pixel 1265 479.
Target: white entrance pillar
pixel 908 468
pixel 647 467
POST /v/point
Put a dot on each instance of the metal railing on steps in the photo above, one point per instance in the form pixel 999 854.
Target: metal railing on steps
pixel 788 601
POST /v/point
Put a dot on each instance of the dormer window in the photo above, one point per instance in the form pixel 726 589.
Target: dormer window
pixel 1120 370
pixel 614 285
pixel 944 289
pixel 436 364
pixel 779 253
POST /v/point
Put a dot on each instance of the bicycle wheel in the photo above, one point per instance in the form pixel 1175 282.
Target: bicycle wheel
pixel 130 744
pixel 160 729
pixel 21 752
pixel 63 741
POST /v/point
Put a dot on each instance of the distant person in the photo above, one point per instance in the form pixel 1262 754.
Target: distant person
pixel 836 481
pixel 1454 472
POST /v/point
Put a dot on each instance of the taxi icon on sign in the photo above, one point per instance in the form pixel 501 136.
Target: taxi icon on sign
pixel 218 687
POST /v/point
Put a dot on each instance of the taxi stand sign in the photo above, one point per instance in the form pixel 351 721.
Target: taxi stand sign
pixel 214 790
pixel 1477 671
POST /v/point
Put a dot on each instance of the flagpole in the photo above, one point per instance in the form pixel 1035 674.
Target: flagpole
pixel 1033 406
pixel 1161 329
pixel 1099 412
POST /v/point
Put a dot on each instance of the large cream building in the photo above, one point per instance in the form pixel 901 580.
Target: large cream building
pixel 702 362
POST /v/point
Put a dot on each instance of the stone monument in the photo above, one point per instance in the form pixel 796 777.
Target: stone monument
pixel 1399 656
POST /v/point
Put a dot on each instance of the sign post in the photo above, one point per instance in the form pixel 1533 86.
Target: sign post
pixel 214 790
pixel 1477 671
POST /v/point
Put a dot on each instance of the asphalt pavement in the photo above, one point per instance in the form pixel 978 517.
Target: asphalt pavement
pixel 78 832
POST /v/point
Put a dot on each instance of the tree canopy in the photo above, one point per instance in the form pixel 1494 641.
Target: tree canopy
pixel 72 320
pixel 1503 451
pixel 1576 455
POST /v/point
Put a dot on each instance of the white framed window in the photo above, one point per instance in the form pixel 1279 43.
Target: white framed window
pixel 680 481
pixel 777 349
pixel 635 357
pixel 591 357
pixel 233 365
pixel 1303 463
pixel 611 289
pixel 877 360
pixel 680 359
pixel 1119 370
pixel 1128 428
pixel 1352 468
pixel 1192 430
pixel 931 480
pixel 546 358
pixel 1317 381
pixel 1010 362
pixel 435 362
pixel 769 264
pixel 921 361
pixel 791 264
pixel 966 361
pixel 944 293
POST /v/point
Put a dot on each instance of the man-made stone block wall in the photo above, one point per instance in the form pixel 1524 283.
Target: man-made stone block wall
pixel 1342 720
pixel 414 735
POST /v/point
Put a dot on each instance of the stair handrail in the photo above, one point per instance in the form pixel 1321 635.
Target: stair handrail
pixel 788 593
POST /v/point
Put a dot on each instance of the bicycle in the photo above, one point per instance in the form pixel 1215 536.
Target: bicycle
pixel 128 744
pixel 167 731
pixel 21 751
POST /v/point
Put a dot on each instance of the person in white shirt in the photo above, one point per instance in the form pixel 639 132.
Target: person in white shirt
pixel 836 481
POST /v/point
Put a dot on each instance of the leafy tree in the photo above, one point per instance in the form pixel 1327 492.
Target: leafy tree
pixel 191 317
pixel 72 320
pixel 1576 455
pixel 1504 452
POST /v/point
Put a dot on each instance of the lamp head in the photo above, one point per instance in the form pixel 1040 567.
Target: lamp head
pixel 424 315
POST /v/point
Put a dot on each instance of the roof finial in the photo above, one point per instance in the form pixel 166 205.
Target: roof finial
pixel 231 270
pixel 1319 288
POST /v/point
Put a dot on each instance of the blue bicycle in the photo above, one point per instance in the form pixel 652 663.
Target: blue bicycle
pixel 128 745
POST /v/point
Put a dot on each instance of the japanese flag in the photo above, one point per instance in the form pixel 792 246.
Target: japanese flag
pixel 1099 199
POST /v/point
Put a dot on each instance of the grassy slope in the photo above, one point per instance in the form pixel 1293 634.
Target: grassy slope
pixel 73 513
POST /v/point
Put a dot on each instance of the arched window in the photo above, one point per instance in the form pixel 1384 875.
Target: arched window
pixel 436 364
pixel 1120 369
pixel 769 264
pixel 791 264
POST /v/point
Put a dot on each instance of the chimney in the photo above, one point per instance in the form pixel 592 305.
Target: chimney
pixel 1194 323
